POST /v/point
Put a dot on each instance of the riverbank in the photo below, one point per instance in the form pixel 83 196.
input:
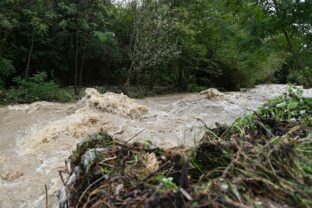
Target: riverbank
pixel 260 160
pixel 67 94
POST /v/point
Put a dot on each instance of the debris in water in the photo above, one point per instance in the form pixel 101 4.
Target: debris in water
pixel 11 176
pixel 211 93
pixel 2 160
pixel 30 108
pixel 114 103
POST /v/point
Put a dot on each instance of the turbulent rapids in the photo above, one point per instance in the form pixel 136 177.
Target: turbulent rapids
pixel 35 139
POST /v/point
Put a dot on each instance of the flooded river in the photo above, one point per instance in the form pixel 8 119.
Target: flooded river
pixel 35 139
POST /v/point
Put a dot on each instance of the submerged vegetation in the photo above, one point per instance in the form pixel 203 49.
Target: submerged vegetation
pixel 261 160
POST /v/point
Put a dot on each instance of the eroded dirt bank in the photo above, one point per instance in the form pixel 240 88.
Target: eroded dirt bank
pixel 35 139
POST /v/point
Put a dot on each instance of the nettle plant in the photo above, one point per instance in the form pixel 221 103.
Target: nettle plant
pixel 292 106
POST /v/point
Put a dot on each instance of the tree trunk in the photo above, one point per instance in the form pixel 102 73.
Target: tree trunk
pixel 3 42
pixel 81 67
pixel 152 76
pixel 298 60
pixel 76 55
pixel 30 52
pixel 132 53
pixel 181 78
pixel 137 76
pixel 88 76
pixel 128 81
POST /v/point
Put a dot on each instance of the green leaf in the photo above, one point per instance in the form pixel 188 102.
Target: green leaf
pixel 293 105
pixel 168 183
pixel 103 37
pixel 275 140
pixel 281 105
pixel 6 67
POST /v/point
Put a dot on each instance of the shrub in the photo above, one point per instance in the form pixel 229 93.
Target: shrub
pixel 101 89
pixel 301 77
pixel 6 70
pixel 36 88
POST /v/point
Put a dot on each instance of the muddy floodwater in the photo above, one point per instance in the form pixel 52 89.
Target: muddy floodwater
pixel 35 139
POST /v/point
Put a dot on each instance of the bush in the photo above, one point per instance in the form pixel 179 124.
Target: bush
pixel 101 89
pixel 6 70
pixel 248 67
pixel 301 77
pixel 193 87
pixel 36 88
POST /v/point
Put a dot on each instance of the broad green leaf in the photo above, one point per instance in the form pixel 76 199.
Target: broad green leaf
pixel 281 105
pixel 293 105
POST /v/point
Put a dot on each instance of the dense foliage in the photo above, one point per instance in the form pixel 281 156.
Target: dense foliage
pixel 35 88
pixel 227 44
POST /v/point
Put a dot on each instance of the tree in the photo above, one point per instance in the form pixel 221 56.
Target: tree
pixel 185 44
pixel 83 20
pixel 293 20
pixel 150 43
pixel 37 20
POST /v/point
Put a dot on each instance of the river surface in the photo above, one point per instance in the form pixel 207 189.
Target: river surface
pixel 35 139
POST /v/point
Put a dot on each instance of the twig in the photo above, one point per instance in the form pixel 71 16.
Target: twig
pixel 61 176
pixel 199 119
pixel 66 166
pixel 100 204
pixel 120 131
pixel 139 204
pixel 107 159
pixel 268 131
pixel 123 164
pixel 154 192
pixel 128 140
pixel 228 128
pixel 227 169
pixel 46 192
pixel 156 171
pixel 233 204
pixel 186 194
pixel 184 174
pixel 85 191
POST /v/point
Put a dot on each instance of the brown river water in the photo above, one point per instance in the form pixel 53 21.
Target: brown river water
pixel 35 139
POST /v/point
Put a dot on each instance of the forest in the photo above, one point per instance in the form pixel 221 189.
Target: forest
pixel 49 48
pixel 225 119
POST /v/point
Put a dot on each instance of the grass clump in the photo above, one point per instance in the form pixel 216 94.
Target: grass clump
pixel 269 164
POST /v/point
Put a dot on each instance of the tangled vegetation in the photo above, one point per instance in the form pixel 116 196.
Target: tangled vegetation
pixel 262 160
